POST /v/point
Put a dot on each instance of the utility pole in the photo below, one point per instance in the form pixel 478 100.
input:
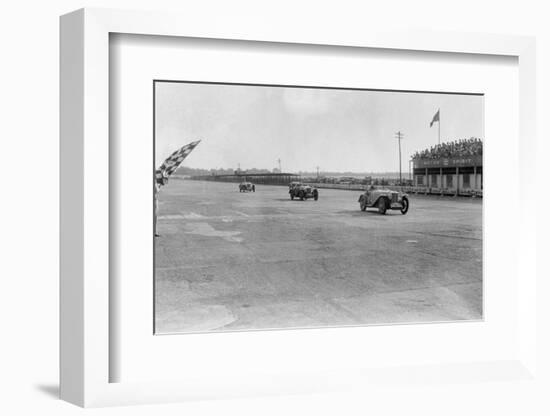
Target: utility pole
pixel 399 136
pixel 280 169
pixel 317 172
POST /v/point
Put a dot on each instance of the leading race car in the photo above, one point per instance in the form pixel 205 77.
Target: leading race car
pixel 302 191
pixel 247 187
pixel 384 199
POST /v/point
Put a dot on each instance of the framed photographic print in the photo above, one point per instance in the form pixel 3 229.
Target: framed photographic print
pixel 260 212
pixel 336 237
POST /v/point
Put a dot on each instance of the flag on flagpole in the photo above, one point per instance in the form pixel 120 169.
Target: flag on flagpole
pixel 436 118
pixel 170 165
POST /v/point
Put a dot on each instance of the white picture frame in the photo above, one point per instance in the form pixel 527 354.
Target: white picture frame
pixel 85 356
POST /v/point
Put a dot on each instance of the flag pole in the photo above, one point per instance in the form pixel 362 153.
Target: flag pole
pixel 439 127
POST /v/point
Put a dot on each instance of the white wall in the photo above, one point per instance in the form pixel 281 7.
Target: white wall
pixel 29 208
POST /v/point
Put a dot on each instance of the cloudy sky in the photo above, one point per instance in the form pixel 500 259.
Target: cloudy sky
pixel 337 130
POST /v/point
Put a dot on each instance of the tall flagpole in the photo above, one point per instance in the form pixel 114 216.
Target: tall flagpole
pixel 439 127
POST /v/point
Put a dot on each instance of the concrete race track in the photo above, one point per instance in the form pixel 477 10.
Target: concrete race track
pixel 234 261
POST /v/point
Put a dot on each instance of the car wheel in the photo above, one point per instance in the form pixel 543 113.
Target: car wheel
pixel 405 204
pixel 381 206
pixel 315 196
pixel 253 188
pixel 292 196
pixel 363 204
pixel 301 195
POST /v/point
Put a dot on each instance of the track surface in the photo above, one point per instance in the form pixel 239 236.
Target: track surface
pixel 234 261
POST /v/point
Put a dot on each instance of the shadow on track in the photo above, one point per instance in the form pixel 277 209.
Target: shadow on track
pixel 359 213
pixel 292 200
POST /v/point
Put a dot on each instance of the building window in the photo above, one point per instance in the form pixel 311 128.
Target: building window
pixel 434 180
pixel 466 181
pixel 420 180
pixel 449 181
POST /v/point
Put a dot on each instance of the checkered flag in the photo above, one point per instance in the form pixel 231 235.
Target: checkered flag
pixel 173 162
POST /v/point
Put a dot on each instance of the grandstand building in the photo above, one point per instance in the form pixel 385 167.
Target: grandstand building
pixel 448 174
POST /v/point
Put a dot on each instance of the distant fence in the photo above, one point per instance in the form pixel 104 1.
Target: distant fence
pixel 346 186
pixel 421 190
pixel 284 181
pixel 424 190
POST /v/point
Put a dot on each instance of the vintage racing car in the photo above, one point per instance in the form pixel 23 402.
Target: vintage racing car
pixel 384 199
pixel 247 187
pixel 302 191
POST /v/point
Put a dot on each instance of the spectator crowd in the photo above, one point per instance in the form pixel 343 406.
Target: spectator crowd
pixel 458 148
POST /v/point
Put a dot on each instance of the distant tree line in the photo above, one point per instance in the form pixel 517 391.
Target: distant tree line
pixel 187 171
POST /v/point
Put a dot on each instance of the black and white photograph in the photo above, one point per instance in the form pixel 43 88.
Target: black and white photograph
pixel 283 207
